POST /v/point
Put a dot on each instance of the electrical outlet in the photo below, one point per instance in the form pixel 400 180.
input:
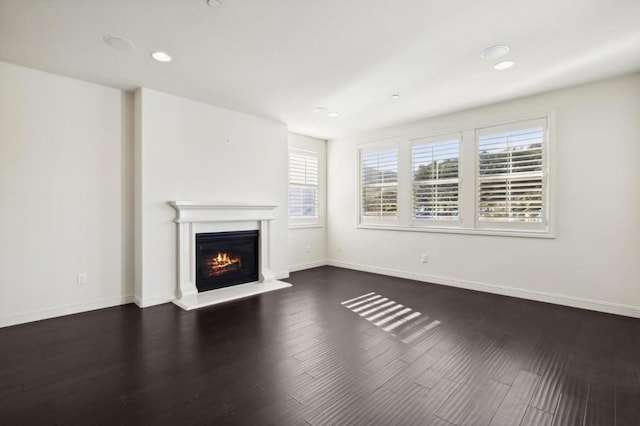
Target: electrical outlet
pixel 425 258
pixel 82 278
pixel 338 248
pixel 308 249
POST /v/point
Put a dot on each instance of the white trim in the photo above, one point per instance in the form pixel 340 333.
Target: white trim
pixel 305 221
pixel 193 218
pixel 514 226
pixel 460 230
pixel 512 125
pixel 145 302
pixel 551 178
pixel 540 296
pixel 189 211
pixel 467 222
pixel 62 310
pixel 303 226
pixel 308 265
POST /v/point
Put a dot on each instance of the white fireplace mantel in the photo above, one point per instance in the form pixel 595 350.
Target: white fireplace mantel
pixel 189 211
pixel 198 217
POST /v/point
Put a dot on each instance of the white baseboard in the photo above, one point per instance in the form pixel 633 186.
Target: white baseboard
pixel 145 302
pixel 558 299
pixel 308 265
pixel 58 311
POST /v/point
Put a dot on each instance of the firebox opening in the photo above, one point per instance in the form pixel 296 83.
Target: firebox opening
pixel 224 259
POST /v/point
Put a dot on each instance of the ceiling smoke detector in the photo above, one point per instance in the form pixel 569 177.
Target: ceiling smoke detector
pixel 494 52
pixel 119 43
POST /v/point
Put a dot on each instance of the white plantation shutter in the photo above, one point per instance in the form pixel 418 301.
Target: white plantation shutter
pixel 303 185
pixel 435 166
pixel 512 174
pixel 379 183
pixel 493 180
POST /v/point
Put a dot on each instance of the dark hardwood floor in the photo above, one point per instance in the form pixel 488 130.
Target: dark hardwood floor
pixel 309 355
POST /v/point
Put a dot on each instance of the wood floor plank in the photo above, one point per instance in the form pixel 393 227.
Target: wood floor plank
pixel 473 403
pixel 365 410
pixel 536 417
pixel 515 404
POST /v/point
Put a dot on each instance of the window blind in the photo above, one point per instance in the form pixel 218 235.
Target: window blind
pixel 511 179
pixel 435 168
pixel 303 184
pixel 379 183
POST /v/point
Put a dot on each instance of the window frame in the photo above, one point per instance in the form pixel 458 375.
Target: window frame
pixel 304 221
pixel 503 225
pixel 468 182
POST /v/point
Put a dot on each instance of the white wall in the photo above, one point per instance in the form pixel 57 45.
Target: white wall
pixel 190 151
pixel 593 262
pixel 308 245
pixel 65 195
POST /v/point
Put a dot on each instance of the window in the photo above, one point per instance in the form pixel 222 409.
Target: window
pixel 379 184
pixel 511 175
pixel 303 187
pixel 477 180
pixel 435 179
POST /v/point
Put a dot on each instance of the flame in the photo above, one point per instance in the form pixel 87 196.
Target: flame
pixel 223 262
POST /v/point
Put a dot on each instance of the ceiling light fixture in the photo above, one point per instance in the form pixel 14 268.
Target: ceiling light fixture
pixel 504 65
pixel 318 110
pixel 214 3
pixel 494 52
pixel 396 96
pixel 333 114
pixel 161 56
pixel 118 43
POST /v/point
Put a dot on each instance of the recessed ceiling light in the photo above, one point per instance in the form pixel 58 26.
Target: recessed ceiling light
pixel 318 110
pixel 396 96
pixel 333 114
pixel 161 56
pixel 494 52
pixel 504 65
pixel 119 43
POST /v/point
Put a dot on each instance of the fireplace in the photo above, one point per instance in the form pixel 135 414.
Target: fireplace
pixel 224 259
pixel 201 219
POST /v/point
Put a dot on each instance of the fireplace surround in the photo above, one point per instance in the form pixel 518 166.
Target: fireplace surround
pixel 194 218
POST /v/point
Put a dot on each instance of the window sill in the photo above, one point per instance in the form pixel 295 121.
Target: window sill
pixel 464 231
pixel 305 226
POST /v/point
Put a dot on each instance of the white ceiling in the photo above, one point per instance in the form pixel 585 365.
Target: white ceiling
pixel 280 58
